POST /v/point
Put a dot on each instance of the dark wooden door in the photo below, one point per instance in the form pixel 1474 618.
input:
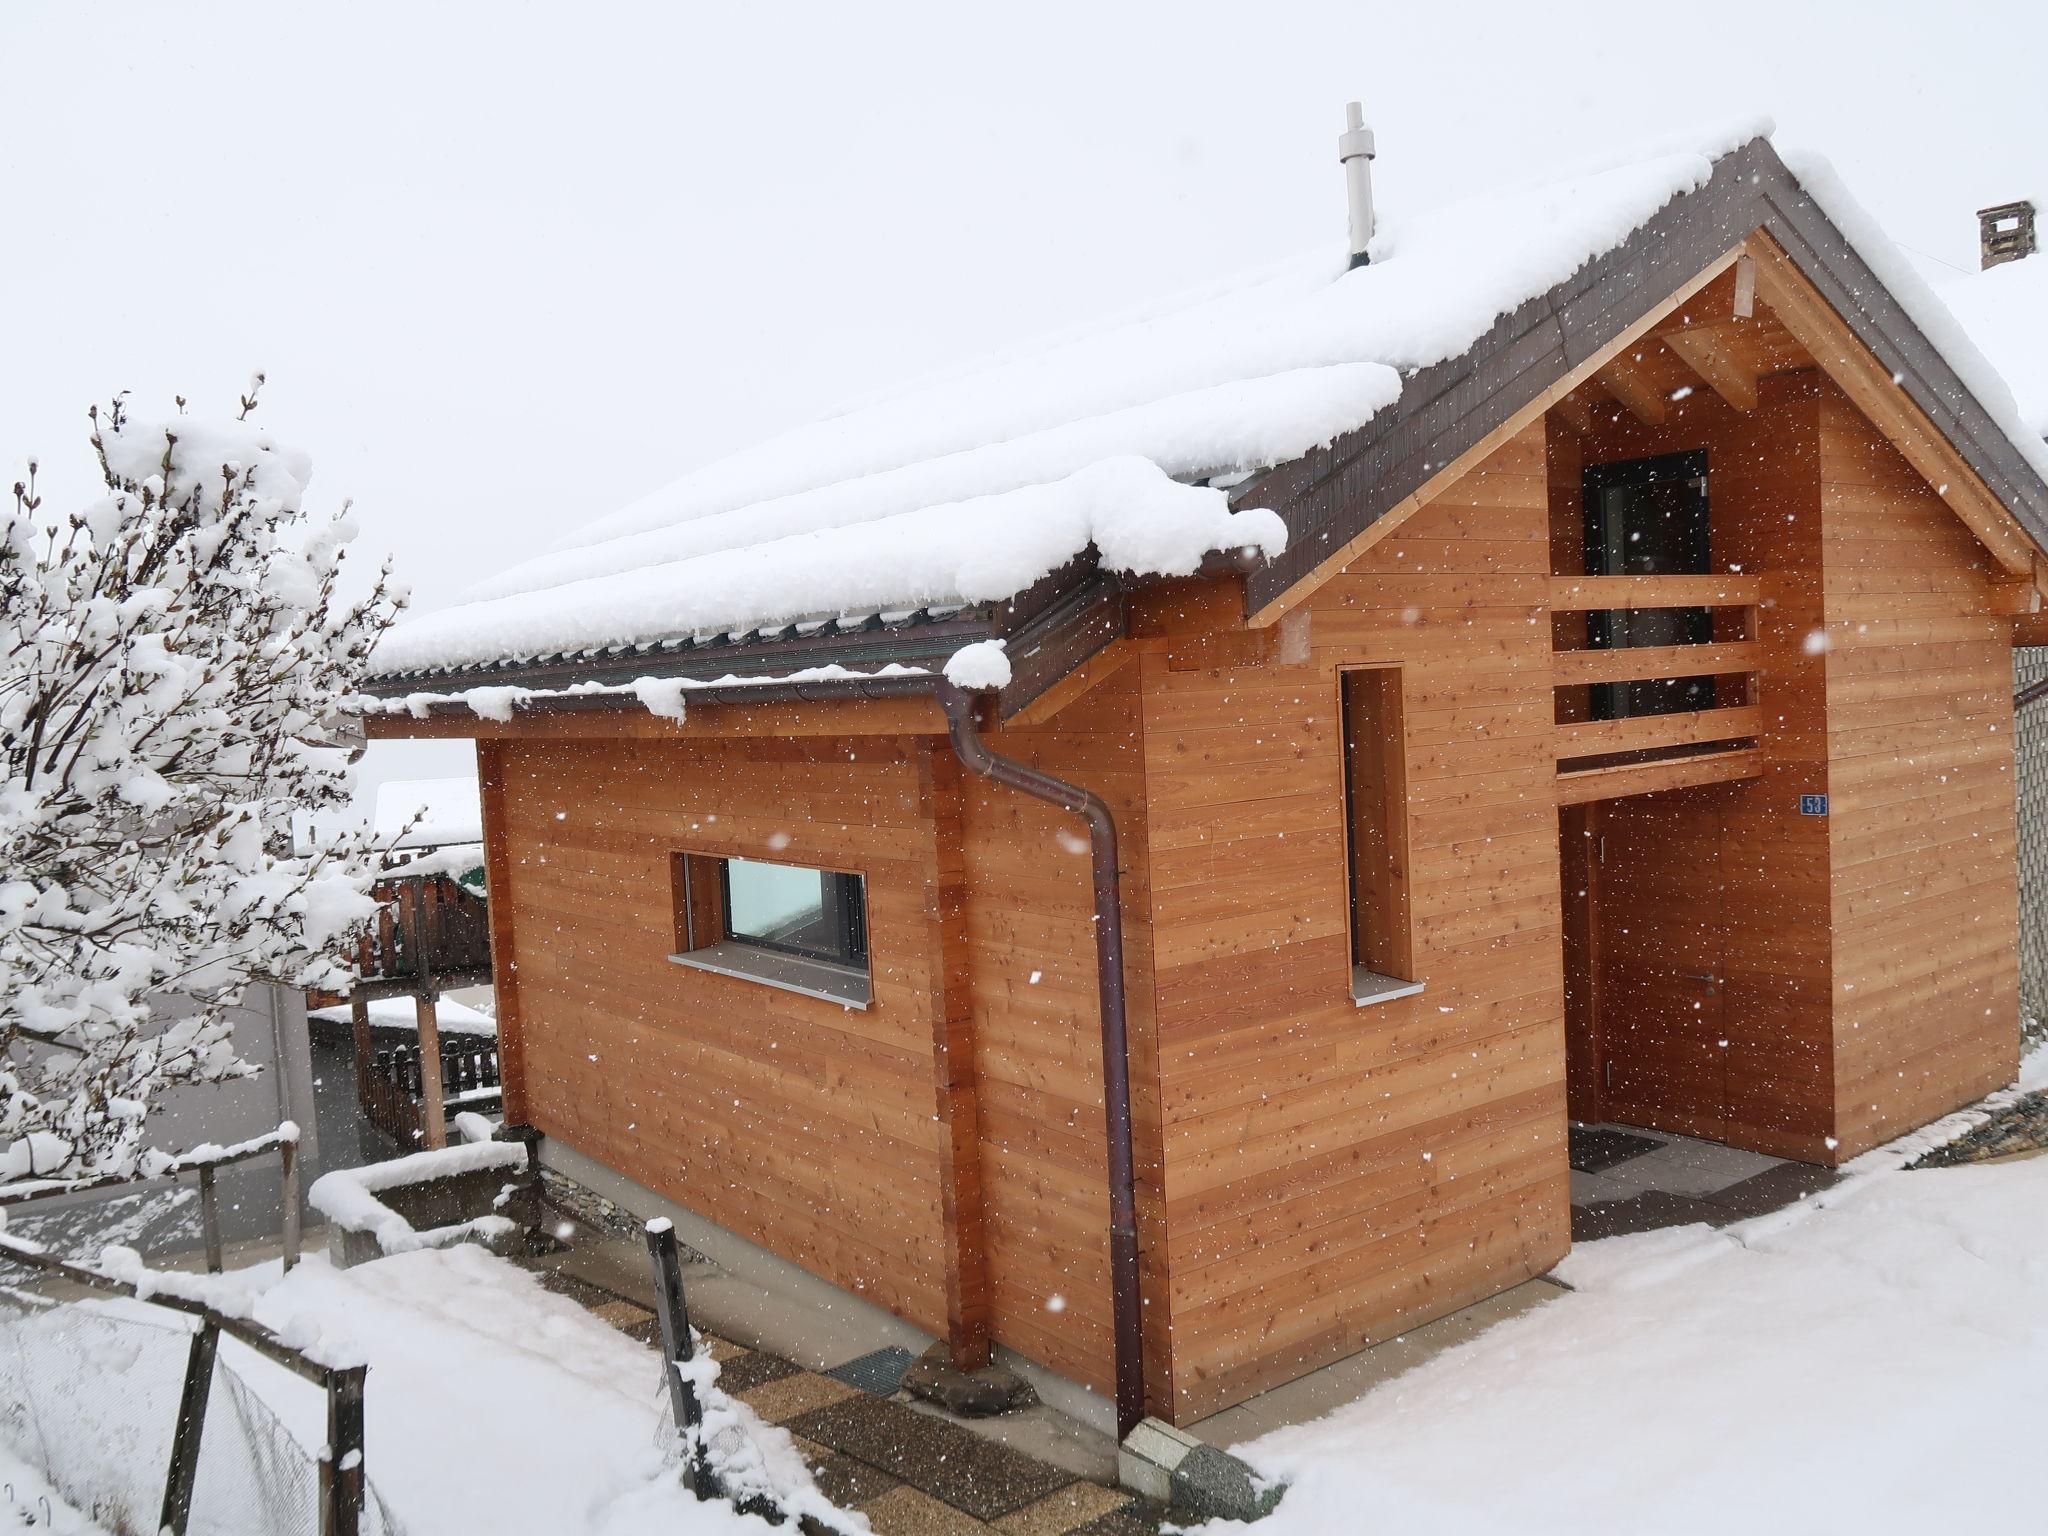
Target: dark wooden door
pixel 1661 947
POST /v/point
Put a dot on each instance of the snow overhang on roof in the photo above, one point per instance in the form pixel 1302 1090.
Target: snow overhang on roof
pixel 1020 501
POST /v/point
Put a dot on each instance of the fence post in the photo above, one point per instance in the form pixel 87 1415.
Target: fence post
pixel 209 1218
pixel 180 1480
pixel 288 1156
pixel 673 1315
pixel 341 1469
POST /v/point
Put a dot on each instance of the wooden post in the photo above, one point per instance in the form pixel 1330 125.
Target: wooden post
pixel 673 1314
pixel 341 1469
pixel 434 1119
pixel 209 1218
pixel 434 1132
pixel 288 1158
pixel 184 1469
pixel 490 774
pixel 359 1019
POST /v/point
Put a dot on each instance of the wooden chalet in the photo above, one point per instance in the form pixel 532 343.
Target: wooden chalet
pixel 1624 734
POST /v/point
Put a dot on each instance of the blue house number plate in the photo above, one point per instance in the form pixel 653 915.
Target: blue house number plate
pixel 1813 805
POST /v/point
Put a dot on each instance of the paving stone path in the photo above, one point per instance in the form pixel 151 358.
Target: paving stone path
pixel 910 1473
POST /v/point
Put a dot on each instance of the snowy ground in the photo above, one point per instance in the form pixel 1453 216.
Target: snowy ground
pixel 493 1405
pixel 1874 1360
pixel 30 1505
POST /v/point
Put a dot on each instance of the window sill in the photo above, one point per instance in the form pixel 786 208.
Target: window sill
pixel 787 973
pixel 1369 987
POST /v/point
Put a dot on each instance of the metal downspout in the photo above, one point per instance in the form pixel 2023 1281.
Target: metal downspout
pixel 1128 1327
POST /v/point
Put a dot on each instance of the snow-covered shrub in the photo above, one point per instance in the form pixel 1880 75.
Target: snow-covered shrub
pixel 170 661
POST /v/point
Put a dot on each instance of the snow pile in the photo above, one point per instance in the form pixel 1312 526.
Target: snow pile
pixel 398 1013
pixel 451 859
pixel 1872 1360
pixel 499 703
pixel 427 813
pixel 499 1407
pixel 348 1196
pixel 980 665
pixel 1951 337
pixel 980 549
pixel 2005 310
pixel 976 485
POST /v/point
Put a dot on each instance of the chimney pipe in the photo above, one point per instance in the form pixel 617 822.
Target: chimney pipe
pixel 1354 151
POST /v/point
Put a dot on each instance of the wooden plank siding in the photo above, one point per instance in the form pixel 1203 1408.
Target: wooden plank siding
pixel 1335 1174
pixel 1920 763
pixel 824 1134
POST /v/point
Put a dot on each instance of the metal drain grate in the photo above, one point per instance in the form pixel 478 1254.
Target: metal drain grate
pixel 879 1372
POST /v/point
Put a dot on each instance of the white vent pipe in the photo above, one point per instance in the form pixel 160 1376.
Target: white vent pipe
pixel 1354 150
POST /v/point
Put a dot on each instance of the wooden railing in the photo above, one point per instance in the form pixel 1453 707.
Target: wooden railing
pixel 393 1087
pixel 464 1069
pixel 1597 759
pixel 428 930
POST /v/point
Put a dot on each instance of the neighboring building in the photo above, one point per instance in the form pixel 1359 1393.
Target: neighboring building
pixel 270 1034
pixel 380 1044
pixel 1608 718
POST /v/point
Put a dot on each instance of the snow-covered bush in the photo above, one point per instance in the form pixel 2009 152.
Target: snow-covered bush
pixel 170 659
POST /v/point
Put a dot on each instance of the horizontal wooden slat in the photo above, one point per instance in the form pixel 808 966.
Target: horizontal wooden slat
pixel 1585 594
pixel 1626 664
pixel 1646 778
pixel 1640 733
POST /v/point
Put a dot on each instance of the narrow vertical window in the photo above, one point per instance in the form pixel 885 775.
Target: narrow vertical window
pixel 1376 815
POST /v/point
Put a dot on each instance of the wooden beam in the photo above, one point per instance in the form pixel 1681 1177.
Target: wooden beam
pixel 2030 629
pixel 967 1280
pixel 1591 594
pixel 1867 382
pixel 1629 664
pixel 1626 379
pixel 1745 287
pixel 490 778
pixel 1712 353
pixel 1590 784
pixel 1104 663
pixel 1643 733
pixel 1574 411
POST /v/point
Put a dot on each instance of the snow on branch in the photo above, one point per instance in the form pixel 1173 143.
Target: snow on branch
pixel 171 658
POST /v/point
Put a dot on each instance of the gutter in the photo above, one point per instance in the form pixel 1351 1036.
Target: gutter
pixel 976 756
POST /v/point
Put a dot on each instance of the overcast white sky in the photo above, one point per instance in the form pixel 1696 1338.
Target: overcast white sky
pixel 509 266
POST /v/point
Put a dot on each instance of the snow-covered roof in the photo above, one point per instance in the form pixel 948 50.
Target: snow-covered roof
pixel 2005 310
pixel 449 811
pixel 1122 437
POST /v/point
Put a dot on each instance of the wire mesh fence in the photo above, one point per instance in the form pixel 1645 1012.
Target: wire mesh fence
pixel 90 1400
pixel 90 1396
pixel 2030 746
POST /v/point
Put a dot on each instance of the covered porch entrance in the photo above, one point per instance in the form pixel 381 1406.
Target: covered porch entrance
pixel 1698 1068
